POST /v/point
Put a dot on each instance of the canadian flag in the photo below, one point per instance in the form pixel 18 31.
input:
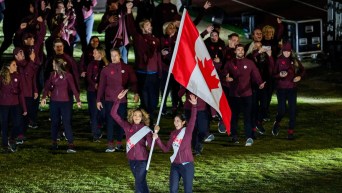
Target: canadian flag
pixel 193 68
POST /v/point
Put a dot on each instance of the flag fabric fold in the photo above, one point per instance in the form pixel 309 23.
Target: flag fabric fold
pixel 193 68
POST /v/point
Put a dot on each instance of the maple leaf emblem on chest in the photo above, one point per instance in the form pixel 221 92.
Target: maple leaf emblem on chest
pixel 207 69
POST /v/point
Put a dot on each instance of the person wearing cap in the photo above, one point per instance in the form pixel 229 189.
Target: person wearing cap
pixel 58 87
pixel 240 73
pixel 12 104
pixel 288 71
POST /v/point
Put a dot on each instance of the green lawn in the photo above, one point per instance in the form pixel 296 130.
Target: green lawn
pixel 310 163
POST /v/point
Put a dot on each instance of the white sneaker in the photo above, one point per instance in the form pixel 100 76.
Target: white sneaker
pixel 249 142
pixel 110 150
pixel 209 138
pixel 71 151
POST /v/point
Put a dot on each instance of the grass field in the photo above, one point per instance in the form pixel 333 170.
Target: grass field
pixel 310 163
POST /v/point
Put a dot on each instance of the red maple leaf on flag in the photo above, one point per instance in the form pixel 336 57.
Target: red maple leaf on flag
pixel 207 69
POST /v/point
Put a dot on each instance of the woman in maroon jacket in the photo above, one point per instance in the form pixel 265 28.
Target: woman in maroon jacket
pixel 93 76
pixel 11 98
pixel 58 86
pixel 138 135
pixel 182 160
pixel 27 68
pixel 288 71
pixel 116 77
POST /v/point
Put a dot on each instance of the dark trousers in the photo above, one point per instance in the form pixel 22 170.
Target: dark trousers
pixel 2 8
pixel 10 25
pixel 31 112
pixel 289 95
pixel 94 114
pixel 61 110
pixel 173 87
pixel 201 128
pixel 259 106
pixel 187 172
pixel 269 92
pixel 138 168
pixel 114 129
pixel 148 85
pixel 243 104
pixel 15 113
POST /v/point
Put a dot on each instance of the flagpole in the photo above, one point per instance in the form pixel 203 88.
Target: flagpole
pixel 166 85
